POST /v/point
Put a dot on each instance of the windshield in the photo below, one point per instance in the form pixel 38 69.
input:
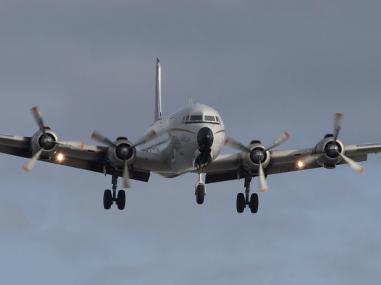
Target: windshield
pixel 198 118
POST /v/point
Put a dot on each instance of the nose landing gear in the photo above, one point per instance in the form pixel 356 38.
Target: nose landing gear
pixel 200 193
pixel 200 190
pixel 111 196
pixel 246 199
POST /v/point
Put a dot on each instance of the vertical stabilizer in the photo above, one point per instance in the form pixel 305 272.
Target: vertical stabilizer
pixel 158 91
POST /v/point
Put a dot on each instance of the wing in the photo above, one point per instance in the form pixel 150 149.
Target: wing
pixel 86 157
pixel 230 167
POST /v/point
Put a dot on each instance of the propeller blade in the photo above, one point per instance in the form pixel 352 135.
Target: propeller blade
pixel 28 166
pixel 151 135
pixel 102 139
pixel 358 168
pixel 237 145
pixel 262 179
pixel 126 175
pixel 282 138
pixel 337 125
pixel 156 145
pixel 38 118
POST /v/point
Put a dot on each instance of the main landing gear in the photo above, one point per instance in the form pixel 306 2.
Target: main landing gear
pixel 246 199
pixel 111 196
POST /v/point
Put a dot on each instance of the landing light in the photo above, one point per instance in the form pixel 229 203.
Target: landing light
pixel 300 164
pixel 60 157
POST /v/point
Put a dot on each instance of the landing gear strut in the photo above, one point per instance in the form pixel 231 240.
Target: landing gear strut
pixel 111 196
pixel 246 199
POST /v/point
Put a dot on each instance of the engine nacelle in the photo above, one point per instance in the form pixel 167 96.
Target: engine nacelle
pixel 45 141
pixel 123 151
pixel 257 155
pixel 330 150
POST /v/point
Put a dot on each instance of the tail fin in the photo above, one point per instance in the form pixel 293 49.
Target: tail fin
pixel 158 91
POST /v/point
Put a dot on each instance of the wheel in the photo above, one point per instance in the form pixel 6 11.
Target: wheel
pixel 200 194
pixel 107 199
pixel 121 200
pixel 253 204
pixel 241 202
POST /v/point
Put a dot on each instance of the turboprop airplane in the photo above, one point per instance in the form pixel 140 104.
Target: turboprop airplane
pixel 188 141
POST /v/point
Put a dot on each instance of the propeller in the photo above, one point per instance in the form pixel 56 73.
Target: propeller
pixel 246 149
pixel 355 166
pixel 124 151
pixel 38 118
pixel 333 148
pixel 262 179
pixel 126 175
pixel 337 125
pixel 47 141
pixel 282 138
pixel 237 145
pixel 28 166
pixel 102 139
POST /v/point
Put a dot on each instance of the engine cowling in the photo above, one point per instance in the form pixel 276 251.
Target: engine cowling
pixel 45 141
pixel 330 150
pixel 123 151
pixel 258 155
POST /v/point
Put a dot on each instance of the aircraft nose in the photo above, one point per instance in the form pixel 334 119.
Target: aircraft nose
pixel 205 138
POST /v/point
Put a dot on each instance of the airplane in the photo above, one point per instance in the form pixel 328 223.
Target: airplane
pixel 189 141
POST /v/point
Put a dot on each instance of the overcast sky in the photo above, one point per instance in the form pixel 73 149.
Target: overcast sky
pixel 266 66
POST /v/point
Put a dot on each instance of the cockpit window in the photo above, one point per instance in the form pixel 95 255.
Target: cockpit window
pixel 196 118
pixel 192 119
pixel 210 118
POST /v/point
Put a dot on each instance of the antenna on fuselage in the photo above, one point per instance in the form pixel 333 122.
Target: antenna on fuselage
pixel 158 114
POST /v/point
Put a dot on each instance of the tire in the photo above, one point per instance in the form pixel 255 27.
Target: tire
pixel 200 194
pixel 121 200
pixel 253 204
pixel 241 202
pixel 107 199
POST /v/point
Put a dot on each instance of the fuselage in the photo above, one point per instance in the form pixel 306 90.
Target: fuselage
pixel 189 129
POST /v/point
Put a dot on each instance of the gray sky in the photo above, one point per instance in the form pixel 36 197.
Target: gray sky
pixel 267 66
